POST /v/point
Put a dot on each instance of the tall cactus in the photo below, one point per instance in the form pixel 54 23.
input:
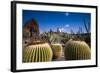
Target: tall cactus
pixel 37 53
pixel 87 26
pixel 77 50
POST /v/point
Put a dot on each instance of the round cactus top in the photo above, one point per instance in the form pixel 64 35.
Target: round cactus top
pixel 76 43
pixel 39 45
pixel 56 44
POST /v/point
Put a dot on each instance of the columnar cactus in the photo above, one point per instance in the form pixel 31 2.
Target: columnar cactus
pixel 37 53
pixel 57 50
pixel 77 50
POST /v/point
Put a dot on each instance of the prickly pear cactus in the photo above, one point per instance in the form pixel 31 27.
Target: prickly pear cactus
pixel 77 50
pixel 57 50
pixel 37 53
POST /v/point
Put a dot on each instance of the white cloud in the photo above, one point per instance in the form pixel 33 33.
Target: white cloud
pixel 67 25
pixel 62 29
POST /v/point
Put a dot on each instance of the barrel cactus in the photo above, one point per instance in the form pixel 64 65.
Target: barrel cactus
pixel 37 53
pixel 77 50
pixel 57 50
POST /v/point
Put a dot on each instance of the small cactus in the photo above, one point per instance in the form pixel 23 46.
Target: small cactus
pixel 77 50
pixel 57 50
pixel 37 53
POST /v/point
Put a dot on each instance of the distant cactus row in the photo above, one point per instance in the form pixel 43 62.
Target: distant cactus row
pixel 77 50
pixel 37 53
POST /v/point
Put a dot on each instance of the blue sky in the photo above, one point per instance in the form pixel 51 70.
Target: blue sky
pixel 65 21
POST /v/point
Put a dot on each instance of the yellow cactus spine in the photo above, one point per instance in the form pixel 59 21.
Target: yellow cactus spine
pixel 77 50
pixel 37 53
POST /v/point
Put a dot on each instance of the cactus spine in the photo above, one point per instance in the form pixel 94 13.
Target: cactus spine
pixel 37 53
pixel 77 50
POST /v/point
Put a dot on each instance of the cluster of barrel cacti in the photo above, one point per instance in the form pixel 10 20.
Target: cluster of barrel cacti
pixel 77 50
pixel 57 50
pixel 37 53
pixel 44 52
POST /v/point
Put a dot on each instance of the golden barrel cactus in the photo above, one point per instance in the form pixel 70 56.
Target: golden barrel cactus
pixel 37 53
pixel 77 50
pixel 57 50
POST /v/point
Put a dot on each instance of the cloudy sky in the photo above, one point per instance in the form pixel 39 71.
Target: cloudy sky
pixel 65 21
